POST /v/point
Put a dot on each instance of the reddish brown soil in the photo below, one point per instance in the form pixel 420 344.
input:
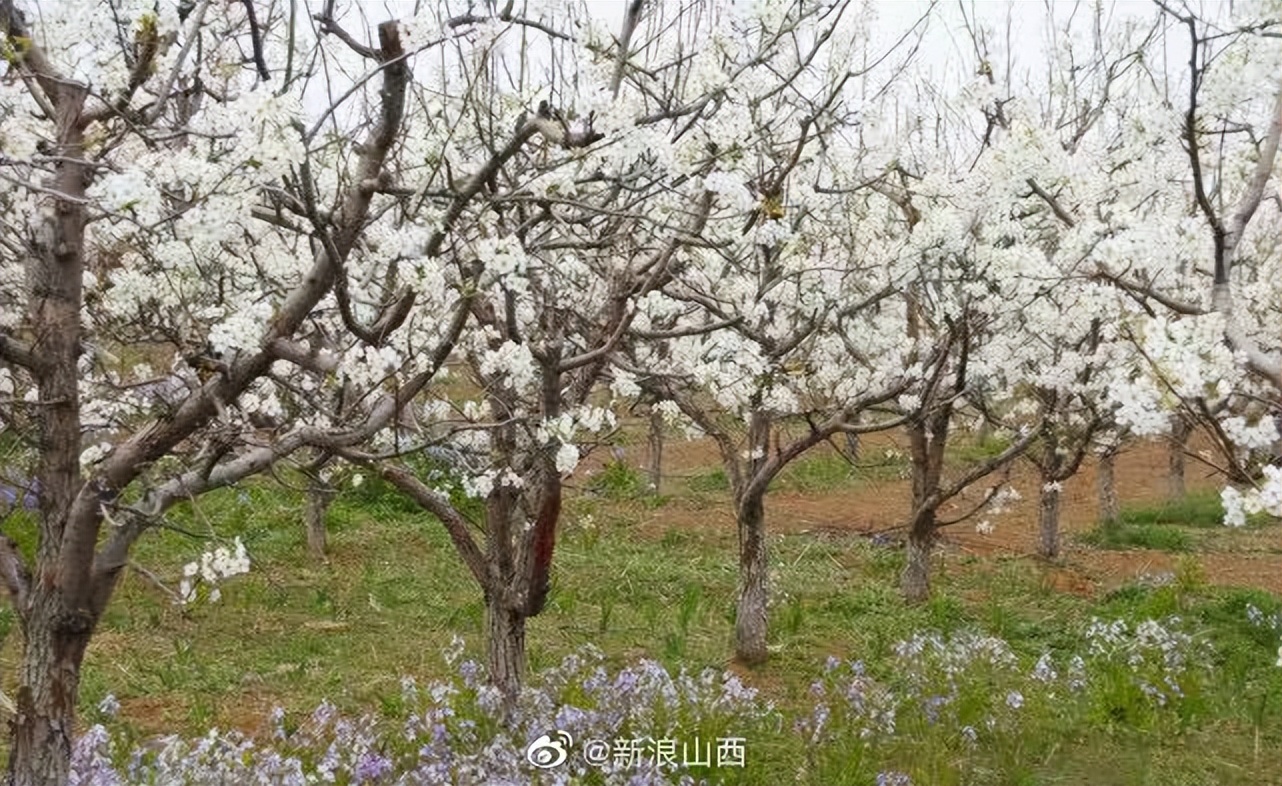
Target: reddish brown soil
pixel 1251 558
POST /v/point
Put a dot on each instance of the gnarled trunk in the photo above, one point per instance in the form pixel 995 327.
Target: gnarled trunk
pixel 927 441
pixel 319 498
pixel 1106 486
pixel 750 620
pixel 505 649
pixel 56 632
pixel 1180 432
pixel 1052 466
pixel 43 727
pixel 852 447
pixel 915 581
pixel 1048 519
pixel 656 449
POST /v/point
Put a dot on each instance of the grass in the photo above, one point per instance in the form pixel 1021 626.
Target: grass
pixel 1181 525
pixel 617 480
pixel 1160 537
pixel 1202 509
pixel 393 593
pixel 817 472
pixel 967 449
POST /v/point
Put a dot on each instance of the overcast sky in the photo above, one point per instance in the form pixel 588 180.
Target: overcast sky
pixel 946 49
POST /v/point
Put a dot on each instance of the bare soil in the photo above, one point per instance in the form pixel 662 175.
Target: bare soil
pixel 1251 558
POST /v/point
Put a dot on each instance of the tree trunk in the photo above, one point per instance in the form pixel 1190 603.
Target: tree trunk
pixel 1180 431
pixel 1106 485
pixel 1048 518
pixel 750 621
pixel 656 450
pixel 319 498
pixel 506 650
pixel 1051 463
pixel 56 631
pixel 43 727
pixel 915 582
pixel 852 447
pixel 927 441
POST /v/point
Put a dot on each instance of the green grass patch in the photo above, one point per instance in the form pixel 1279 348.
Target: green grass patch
pixel 1201 509
pixel 708 482
pixel 966 449
pixel 1193 523
pixel 1160 537
pixel 816 472
pixel 618 480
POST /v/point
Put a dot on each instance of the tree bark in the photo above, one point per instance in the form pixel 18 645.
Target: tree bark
pixel 506 650
pixel 927 441
pixel 656 450
pixel 56 619
pixel 750 620
pixel 43 726
pixel 915 582
pixel 319 498
pixel 852 447
pixel 1051 465
pixel 1048 518
pixel 1180 431
pixel 1106 486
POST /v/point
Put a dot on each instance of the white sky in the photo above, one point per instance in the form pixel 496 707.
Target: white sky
pixel 946 47
pixel 1018 33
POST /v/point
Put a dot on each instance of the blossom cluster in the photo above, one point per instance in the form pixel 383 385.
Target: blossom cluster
pixel 212 567
pixel 1266 498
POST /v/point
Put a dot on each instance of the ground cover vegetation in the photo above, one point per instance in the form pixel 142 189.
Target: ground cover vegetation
pixel 1001 676
pixel 327 331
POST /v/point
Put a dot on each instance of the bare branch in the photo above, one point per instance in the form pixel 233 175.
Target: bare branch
pixel 836 424
pixel 313 359
pixel 630 20
pixel 1264 365
pixel 30 58
pixel 53 192
pixel 1060 212
pixel 439 506
pixel 657 271
pixel 18 353
pixel 328 26
pixel 694 330
pixel 989 466
pixel 14 573
pixel 256 40
pixel 146 445
pixel 197 17
pixel 1178 306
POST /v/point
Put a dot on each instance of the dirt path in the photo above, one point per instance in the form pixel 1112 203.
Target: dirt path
pixel 1255 558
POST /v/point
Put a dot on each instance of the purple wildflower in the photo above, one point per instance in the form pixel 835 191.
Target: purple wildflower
pixel 371 766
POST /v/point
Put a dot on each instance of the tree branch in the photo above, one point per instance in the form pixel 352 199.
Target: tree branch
pixel 18 353
pixel 630 20
pixel 990 466
pixel 29 57
pixel 657 268
pixel 1178 306
pixel 15 574
pixel 127 461
pixel 312 359
pixel 256 40
pixel 439 506
pixel 162 96
pixel 328 26
pixel 1056 208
